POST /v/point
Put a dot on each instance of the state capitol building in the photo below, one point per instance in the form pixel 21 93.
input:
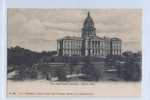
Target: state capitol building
pixel 88 44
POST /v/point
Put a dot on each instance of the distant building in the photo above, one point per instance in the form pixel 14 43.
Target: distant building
pixel 88 44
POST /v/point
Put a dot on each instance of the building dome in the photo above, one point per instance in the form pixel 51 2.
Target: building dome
pixel 88 21
pixel 88 29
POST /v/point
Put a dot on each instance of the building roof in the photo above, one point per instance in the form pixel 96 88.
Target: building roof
pixel 99 38
pixel 116 39
pixel 70 38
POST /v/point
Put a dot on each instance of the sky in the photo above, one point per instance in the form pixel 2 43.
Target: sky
pixel 38 29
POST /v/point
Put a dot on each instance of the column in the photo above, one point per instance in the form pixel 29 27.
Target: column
pixel 58 47
pixel 99 48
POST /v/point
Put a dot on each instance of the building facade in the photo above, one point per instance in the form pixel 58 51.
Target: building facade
pixel 88 44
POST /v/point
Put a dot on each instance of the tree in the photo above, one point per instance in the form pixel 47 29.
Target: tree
pixel 131 70
pixel 61 74
pixel 127 53
pixel 24 59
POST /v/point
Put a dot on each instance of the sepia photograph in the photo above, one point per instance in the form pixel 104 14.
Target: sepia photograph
pixel 59 52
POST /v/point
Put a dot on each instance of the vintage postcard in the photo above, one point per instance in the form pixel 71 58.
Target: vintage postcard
pixel 74 52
